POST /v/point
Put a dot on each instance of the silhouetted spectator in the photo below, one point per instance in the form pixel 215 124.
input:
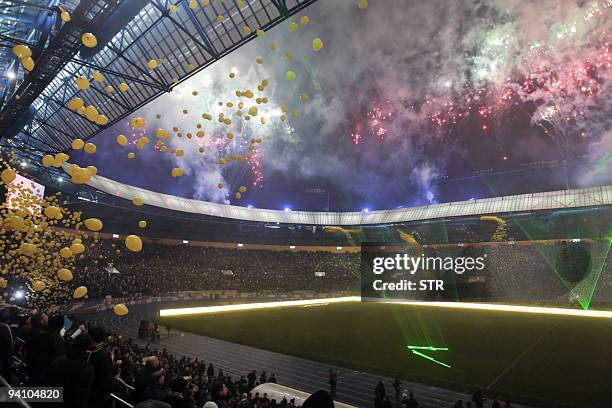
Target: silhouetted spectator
pixel 397 383
pixel 412 401
pixel 333 382
pixel 103 369
pixel 379 394
pixel 477 399
pixel 73 372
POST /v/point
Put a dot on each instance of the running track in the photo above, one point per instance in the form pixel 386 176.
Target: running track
pixel 354 387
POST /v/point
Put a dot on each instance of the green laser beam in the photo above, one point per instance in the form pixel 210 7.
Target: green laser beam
pixel 428 348
pixel 425 356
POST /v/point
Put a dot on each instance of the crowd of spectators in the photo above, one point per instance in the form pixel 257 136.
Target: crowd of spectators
pixel 162 269
pixel 91 364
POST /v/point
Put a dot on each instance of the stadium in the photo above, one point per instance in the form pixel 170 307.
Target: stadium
pixel 305 203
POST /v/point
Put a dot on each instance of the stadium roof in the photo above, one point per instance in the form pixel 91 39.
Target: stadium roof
pixel 34 119
pixel 586 197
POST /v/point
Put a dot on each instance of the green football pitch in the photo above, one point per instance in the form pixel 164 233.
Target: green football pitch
pixel 559 359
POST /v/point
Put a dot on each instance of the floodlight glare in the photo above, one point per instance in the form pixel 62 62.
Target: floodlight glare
pixel 254 306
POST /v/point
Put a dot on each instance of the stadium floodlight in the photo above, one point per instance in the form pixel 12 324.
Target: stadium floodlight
pixel 19 294
pixel 291 246
pixel 24 164
pixel 287 209
pixel 254 306
pixel 11 75
pixel 365 210
pixel 240 245
pixel 250 206
pixel 60 180
pixel 185 242
pixel 339 248
pixel 115 235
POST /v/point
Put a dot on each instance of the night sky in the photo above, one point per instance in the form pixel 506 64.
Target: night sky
pixel 402 95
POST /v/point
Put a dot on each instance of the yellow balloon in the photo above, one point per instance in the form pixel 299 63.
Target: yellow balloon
pixel 317 44
pixel 80 176
pixel 220 185
pixel 133 243
pixel 137 123
pixel 304 20
pixel 22 51
pixel 27 249
pixel 177 172
pixel 38 286
pixel 172 9
pixel 363 4
pixel 65 16
pixel 137 201
pixel 89 40
pixel 77 144
pixel 90 148
pixel 47 160
pixel 122 140
pixel 53 212
pixel 16 222
pixel 290 75
pixel 75 103
pixel 120 309
pixel 293 26
pixel 161 133
pixel 91 113
pixel 64 274
pixel 28 63
pixel 101 120
pixel 152 64
pixel 77 248
pixel 79 292
pixel 242 189
pixel 97 76
pixel 93 224
pixel 238 195
pixel 110 89
pixel 65 252
pixel 142 224
pixel 123 87
pixel 82 83
pixel 8 175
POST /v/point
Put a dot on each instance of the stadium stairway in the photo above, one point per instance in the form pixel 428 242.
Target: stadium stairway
pixel 354 387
